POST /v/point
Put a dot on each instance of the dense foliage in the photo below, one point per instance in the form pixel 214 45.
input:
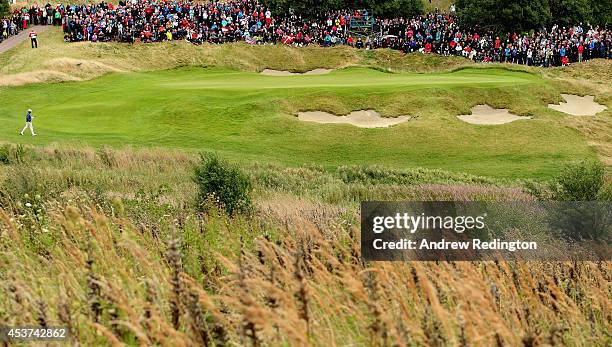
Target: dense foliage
pixel 524 15
pixel 580 182
pixel 395 8
pixel 381 8
pixel 4 8
pixel 602 12
pixel 223 183
pixel 583 181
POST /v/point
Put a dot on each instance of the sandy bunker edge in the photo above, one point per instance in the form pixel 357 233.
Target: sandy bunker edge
pixel 271 72
pixel 487 115
pixel 576 105
pixel 361 118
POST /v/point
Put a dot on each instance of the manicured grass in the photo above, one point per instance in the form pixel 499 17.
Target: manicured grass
pixel 249 117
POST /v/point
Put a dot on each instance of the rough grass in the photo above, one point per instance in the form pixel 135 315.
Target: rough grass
pixel 89 247
pixel 165 175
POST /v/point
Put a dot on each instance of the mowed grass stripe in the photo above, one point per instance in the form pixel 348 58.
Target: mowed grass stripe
pixel 249 117
pixel 351 78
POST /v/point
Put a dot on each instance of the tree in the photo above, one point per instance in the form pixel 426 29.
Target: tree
pixel 306 8
pixel 503 16
pixel 395 8
pixel 571 12
pixel 601 12
pixel 5 8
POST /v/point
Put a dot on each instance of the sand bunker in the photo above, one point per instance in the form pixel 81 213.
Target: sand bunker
pixel 578 105
pixel 270 72
pixel 362 119
pixel 487 115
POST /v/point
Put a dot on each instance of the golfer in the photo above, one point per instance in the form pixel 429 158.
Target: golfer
pixel 29 119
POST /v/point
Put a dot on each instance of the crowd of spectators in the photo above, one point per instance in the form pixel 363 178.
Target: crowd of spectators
pixel 250 21
pixel 440 33
pixel 20 19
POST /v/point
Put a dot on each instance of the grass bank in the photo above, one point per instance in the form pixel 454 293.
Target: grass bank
pixel 56 61
pixel 250 117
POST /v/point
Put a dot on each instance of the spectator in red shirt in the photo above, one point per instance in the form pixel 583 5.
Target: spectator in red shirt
pixel 33 38
pixel 564 60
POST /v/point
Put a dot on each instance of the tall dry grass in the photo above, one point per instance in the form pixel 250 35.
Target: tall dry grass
pixel 270 281
pixel 80 247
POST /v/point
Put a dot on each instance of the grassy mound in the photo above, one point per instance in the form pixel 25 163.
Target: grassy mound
pixel 250 117
pixel 56 61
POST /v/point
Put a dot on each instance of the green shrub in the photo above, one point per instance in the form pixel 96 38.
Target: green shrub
pixel 579 182
pixel 10 154
pixel 5 155
pixel 583 181
pixel 223 184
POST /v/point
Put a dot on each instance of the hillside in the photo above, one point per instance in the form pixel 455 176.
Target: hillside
pixel 136 115
pixel 56 61
pixel 176 195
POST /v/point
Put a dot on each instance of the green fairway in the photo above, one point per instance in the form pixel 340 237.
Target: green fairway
pixel 247 116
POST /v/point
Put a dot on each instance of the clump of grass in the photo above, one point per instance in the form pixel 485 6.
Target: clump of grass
pixel 12 154
pixel 94 294
pixel 41 313
pixel 175 262
pixel 223 184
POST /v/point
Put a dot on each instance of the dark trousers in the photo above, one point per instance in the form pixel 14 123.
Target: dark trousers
pixel 34 43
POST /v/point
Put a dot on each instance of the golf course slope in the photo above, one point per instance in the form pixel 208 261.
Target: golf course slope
pixel 195 98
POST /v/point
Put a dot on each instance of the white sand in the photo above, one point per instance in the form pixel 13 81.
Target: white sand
pixel 362 119
pixel 487 115
pixel 578 105
pixel 270 72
